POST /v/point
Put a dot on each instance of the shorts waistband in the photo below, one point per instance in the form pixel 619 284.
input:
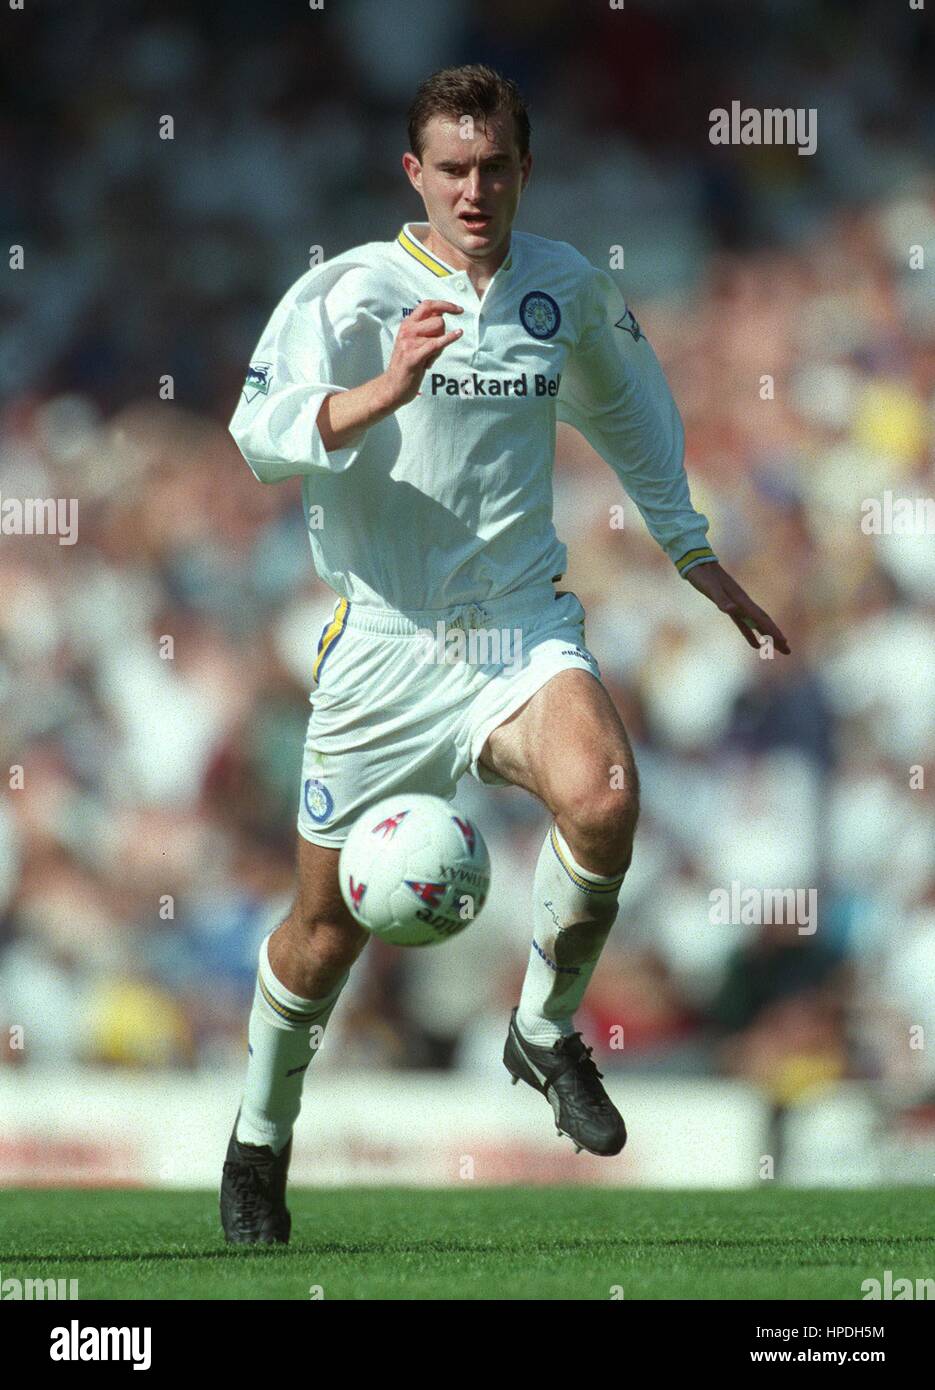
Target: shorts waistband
pixel 407 622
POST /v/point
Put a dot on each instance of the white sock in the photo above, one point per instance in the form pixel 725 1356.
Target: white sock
pixel 573 912
pixel 285 1032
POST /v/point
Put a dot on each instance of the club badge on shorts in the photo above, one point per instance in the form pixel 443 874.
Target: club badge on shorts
pixel 539 314
pixel 319 803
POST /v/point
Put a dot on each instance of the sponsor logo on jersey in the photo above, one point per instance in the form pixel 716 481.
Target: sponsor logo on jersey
pixel 476 385
pixel 539 314
pixel 319 803
pixel 629 325
pixel 258 379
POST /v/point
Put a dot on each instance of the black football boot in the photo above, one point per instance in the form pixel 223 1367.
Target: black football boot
pixel 570 1082
pixel 253 1194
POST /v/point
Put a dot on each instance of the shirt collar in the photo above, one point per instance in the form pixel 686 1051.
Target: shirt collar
pixel 414 247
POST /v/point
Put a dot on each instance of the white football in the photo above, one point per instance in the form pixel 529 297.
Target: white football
pixel 413 871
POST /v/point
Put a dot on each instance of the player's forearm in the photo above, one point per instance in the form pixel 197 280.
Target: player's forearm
pixel 346 414
pixel 420 341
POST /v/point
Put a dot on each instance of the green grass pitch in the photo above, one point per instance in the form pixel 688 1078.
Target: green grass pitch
pixel 484 1243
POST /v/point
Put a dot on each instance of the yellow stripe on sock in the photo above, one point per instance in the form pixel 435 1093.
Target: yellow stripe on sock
pixel 290 1015
pixel 576 878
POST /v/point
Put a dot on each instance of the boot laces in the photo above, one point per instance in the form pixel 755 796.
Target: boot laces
pixel 581 1056
pixel 249 1188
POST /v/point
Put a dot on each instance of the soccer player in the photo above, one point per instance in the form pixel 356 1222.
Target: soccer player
pixel 414 385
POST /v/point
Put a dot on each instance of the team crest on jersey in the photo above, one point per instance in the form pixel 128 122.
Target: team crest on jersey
pixel 319 803
pixel 539 314
pixel 258 379
pixel 629 325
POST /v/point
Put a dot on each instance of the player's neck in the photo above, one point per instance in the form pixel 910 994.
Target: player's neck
pixel 480 272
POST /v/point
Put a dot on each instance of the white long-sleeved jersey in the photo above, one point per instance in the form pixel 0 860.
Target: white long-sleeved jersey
pixel 449 499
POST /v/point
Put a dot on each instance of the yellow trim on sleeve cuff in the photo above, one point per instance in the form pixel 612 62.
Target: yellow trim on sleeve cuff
pixel 703 552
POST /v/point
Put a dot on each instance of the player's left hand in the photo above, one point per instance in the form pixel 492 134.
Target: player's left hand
pixel 725 593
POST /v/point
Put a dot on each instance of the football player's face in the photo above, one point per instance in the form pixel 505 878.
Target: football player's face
pixel 470 178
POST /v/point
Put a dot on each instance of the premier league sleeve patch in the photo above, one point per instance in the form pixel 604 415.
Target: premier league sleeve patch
pixel 258 379
pixel 629 325
pixel 540 315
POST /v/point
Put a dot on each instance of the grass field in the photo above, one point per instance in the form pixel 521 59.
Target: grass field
pixel 487 1243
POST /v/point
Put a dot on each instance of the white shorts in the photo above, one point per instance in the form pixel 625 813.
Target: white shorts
pixel 405 701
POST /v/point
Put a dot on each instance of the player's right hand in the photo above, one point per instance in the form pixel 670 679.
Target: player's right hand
pixel 421 338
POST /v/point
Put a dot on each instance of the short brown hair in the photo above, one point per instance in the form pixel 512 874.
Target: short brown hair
pixel 472 90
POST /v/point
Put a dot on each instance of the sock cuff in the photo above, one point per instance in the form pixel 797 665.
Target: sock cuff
pixel 292 1008
pixel 585 879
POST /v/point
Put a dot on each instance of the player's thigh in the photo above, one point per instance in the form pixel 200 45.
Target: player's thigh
pixel 565 744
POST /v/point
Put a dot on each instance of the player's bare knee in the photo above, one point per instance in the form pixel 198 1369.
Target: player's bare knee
pixel 616 827
pixel 329 941
pixel 602 823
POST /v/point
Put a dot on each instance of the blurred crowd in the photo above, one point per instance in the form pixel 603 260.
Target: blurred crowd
pixel 154 676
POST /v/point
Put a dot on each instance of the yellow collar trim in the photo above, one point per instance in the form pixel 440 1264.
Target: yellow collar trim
pixel 409 244
pixel 432 263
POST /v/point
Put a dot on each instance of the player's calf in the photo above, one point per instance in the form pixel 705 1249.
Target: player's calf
pixel 303 967
pixel 319 941
pixel 574 908
pixel 311 953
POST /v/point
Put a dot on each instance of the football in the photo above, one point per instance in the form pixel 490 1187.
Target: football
pixel 413 871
